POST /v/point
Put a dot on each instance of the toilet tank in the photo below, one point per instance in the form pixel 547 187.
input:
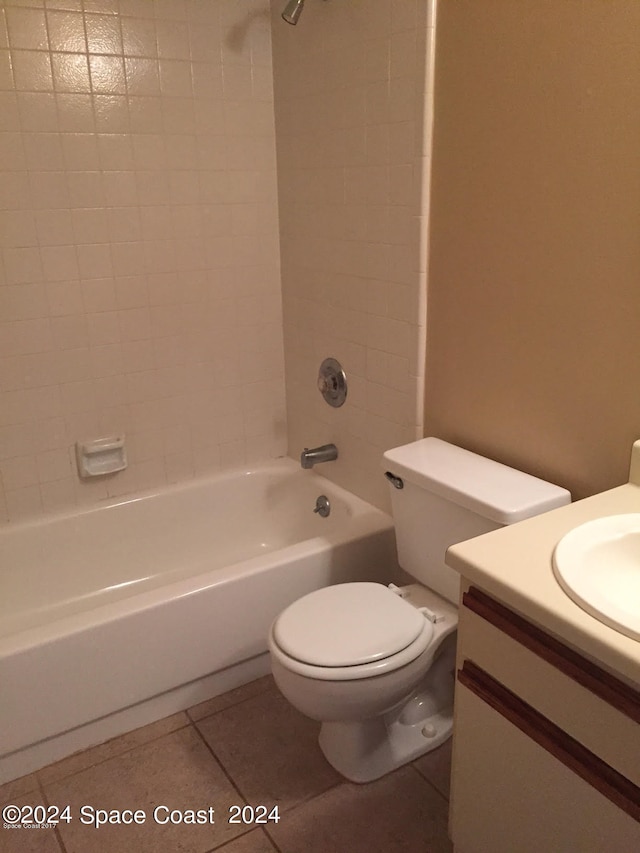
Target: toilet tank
pixel 448 495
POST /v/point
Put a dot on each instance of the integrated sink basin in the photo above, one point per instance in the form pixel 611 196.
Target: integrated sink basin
pixel 598 566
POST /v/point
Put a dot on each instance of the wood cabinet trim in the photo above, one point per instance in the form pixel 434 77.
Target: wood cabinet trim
pixel 583 671
pixel 597 773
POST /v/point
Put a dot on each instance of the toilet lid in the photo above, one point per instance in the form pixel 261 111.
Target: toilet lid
pixel 347 624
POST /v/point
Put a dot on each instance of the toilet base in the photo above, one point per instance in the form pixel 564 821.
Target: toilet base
pixel 367 750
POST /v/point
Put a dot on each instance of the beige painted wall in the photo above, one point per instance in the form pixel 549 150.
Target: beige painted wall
pixel 139 259
pixel 533 334
pixel 352 96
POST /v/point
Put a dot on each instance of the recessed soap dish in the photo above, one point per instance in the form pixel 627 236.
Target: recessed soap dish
pixel 101 456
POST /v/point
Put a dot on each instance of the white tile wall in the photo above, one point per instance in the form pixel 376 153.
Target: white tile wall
pixel 139 260
pixel 353 95
pixel 139 279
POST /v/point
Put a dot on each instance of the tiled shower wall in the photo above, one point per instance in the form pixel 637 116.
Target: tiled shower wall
pixel 353 98
pixel 139 266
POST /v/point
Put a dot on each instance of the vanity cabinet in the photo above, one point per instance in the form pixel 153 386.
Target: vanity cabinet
pixel 546 751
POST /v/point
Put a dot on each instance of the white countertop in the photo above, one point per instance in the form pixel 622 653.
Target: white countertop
pixel 514 565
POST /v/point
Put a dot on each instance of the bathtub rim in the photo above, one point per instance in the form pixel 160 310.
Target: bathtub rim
pixel 367 520
pixel 75 623
pixel 274 465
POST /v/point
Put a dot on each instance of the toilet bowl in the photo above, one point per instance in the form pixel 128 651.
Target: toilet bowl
pixel 380 680
pixel 374 664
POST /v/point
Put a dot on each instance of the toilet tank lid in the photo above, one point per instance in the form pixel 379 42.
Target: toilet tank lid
pixel 490 489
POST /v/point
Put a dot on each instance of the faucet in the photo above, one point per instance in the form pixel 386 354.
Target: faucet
pixel 326 453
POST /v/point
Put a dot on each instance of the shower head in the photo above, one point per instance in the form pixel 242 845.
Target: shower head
pixel 292 11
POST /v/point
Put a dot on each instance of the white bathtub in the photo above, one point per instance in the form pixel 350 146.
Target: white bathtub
pixel 115 616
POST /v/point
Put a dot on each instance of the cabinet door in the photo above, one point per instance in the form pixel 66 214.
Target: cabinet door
pixel 586 702
pixel 510 795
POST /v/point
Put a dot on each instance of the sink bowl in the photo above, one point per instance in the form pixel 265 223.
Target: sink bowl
pixel 598 566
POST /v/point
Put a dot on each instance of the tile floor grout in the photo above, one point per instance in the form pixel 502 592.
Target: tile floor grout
pixel 311 797
pixel 272 767
pixel 271 840
pixel 97 763
pixel 188 711
pixel 188 722
pixel 47 802
pixel 210 749
pixel 429 782
pixel 236 838
pixel 236 786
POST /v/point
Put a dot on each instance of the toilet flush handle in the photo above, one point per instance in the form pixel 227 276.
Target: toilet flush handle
pixel 396 482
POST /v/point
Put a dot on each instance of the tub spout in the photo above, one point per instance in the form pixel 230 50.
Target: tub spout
pixel 326 453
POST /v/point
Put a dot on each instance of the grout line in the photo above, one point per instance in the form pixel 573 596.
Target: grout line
pixel 220 763
pixel 108 758
pixel 227 707
pixel 233 785
pixel 188 722
pixel 304 803
pixel 56 831
pixel 430 783
pixel 271 840
pixel 227 773
pixel 318 794
pixel 229 777
pixel 42 791
pixel 58 836
pixel 298 805
pixel 228 843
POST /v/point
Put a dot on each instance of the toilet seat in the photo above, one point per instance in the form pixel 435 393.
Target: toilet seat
pixel 350 631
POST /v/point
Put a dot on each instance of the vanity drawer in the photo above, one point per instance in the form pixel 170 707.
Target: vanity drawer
pixel 511 793
pixel 587 703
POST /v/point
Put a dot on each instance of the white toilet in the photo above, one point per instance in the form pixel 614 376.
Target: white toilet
pixel 375 664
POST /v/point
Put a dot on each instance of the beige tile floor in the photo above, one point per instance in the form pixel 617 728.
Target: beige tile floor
pixel 247 746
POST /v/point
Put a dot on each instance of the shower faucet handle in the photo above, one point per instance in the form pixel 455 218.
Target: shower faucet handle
pixel 332 382
pixel 324 384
